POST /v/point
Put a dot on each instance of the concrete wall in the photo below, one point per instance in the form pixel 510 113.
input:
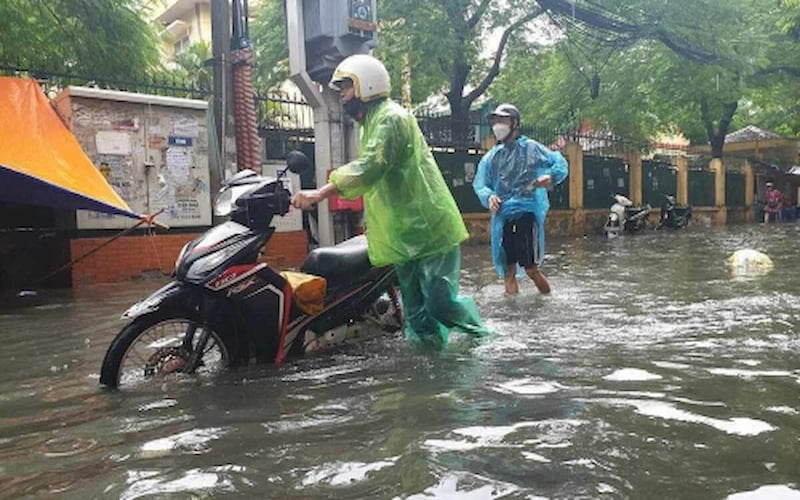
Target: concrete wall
pixel 579 221
pixel 160 163
pixel 133 257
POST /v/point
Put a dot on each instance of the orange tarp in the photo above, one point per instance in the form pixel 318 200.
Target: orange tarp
pixel 41 162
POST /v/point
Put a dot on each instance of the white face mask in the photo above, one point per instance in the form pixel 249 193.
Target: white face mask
pixel 501 131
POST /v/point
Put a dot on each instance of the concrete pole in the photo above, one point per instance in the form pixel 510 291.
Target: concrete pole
pixel 634 161
pixel 718 167
pixel 682 181
pixel 574 153
pixel 749 191
pixel 327 118
pixel 223 84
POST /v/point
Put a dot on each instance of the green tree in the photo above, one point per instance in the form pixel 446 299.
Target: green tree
pixel 270 52
pixel 193 67
pixel 446 43
pixel 98 37
pixel 648 86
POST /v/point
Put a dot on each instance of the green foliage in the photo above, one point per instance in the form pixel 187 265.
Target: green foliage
pixel 647 87
pixel 98 37
pixel 192 67
pixel 270 52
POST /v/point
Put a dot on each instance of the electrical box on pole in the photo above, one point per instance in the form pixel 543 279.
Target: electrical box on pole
pixel 335 29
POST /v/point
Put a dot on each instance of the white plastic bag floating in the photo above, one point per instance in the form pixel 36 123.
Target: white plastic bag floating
pixel 749 262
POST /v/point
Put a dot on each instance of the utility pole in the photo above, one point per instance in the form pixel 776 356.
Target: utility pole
pixel 327 118
pixel 220 43
pixel 337 29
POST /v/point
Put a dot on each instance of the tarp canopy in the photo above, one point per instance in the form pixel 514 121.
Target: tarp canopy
pixel 41 162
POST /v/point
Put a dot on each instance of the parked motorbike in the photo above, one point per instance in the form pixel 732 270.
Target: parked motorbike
pixel 225 308
pixel 625 217
pixel 674 216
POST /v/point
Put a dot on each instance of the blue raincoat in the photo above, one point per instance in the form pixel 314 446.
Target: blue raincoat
pixel 507 171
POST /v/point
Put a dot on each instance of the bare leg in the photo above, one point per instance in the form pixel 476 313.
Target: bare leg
pixel 510 280
pixel 538 279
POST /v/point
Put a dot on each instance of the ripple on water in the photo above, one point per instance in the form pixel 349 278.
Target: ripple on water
pixel 631 375
pixel 550 434
pixel 528 387
pixel 668 411
pixel 343 473
pixel 467 486
pixel 769 492
pixel 150 483
pixel 194 442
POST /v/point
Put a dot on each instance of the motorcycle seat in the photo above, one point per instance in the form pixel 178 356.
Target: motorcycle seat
pixel 343 263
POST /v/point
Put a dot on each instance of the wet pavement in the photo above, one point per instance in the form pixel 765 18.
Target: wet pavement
pixel 650 372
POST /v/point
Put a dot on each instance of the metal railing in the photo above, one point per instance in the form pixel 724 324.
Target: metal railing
pixel 166 85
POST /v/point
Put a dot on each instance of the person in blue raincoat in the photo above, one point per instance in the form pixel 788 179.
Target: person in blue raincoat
pixel 511 182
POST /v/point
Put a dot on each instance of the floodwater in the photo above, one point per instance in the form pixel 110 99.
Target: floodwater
pixel 650 372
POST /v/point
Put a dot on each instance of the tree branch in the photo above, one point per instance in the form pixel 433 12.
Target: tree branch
pixel 478 14
pixel 593 18
pixel 604 22
pixel 494 70
pixel 705 115
pixel 789 70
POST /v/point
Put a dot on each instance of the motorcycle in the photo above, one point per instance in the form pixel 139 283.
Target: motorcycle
pixel 224 307
pixel 674 216
pixel 624 216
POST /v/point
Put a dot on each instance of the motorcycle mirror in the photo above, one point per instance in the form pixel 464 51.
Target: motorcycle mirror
pixel 297 162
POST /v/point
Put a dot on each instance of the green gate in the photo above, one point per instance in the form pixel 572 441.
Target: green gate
pixel 658 180
pixel 734 189
pixel 603 177
pixel 701 188
pixel 459 169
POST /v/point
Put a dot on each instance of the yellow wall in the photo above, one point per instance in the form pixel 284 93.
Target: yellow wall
pixel 195 27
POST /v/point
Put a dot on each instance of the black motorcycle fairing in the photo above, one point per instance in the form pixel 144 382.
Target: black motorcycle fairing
pixel 342 264
pixel 221 238
pixel 168 295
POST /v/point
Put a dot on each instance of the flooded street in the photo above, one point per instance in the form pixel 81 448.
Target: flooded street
pixel 650 372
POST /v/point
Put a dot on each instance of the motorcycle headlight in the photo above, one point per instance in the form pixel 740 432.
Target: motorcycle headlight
pixel 204 265
pixel 224 203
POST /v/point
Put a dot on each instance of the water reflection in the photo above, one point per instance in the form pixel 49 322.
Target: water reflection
pixel 649 369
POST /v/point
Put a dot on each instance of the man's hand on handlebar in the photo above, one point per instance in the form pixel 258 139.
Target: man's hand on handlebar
pixel 305 199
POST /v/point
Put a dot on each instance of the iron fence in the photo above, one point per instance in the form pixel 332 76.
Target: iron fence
pixel 166 85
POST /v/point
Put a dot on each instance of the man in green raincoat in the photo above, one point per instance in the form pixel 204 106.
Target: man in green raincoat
pixel 413 221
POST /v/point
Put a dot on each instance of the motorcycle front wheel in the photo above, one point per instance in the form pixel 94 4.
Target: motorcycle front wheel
pixel 157 345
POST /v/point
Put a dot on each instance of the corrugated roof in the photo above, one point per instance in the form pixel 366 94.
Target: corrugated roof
pixel 749 134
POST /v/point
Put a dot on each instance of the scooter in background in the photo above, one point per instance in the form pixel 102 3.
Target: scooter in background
pixel 625 217
pixel 674 216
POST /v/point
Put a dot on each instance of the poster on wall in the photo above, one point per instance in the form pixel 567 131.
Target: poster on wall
pixel 161 165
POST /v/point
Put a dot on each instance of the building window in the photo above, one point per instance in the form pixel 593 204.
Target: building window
pixel 182 45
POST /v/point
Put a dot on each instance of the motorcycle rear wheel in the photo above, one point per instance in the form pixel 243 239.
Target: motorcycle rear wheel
pixel 156 345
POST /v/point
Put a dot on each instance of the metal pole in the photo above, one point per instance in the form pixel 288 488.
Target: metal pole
pixel 220 41
pixel 328 138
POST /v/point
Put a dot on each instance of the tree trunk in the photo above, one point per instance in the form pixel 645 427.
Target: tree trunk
pixel 716 135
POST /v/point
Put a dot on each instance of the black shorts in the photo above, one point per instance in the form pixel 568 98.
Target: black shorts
pixel 520 241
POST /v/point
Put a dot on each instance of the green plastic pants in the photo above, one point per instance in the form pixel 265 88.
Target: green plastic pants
pixel 431 303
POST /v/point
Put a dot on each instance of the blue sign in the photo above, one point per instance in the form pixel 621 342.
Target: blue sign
pixel 179 141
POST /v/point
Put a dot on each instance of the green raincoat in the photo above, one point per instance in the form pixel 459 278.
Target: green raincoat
pixel 413 222
pixel 410 211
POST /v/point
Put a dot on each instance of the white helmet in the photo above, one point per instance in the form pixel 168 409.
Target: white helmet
pixel 370 78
